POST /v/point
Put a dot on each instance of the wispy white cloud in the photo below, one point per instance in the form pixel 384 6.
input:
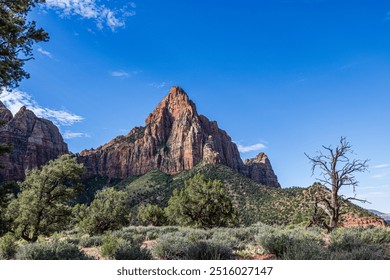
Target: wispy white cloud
pixel 124 74
pixel 70 135
pixel 97 10
pixel 120 74
pixel 380 166
pixel 381 175
pixel 45 52
pixel 251 148
pixel 160 85
pixel 16 99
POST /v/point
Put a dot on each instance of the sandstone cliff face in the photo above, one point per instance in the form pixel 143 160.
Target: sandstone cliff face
pixel 34 142
pixel 350 220
pixel 260 170
pixel 175 138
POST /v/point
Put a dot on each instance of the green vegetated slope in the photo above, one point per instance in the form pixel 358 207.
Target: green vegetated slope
pixel 253 201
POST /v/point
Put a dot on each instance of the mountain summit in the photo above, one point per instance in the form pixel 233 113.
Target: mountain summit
pixel 175 138
pixel 34 142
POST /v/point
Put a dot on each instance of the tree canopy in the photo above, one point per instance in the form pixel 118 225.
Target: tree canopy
pixel 152 215
pixel 202 203
pixel 110 210
pixel 44 204
pixel 17 36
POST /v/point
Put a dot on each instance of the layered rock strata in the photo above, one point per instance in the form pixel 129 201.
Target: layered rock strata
pixel 34 141
pixel 175 138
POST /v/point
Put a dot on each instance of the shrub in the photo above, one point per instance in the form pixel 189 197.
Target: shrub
pixel 360 252
pixel 89 242
pixel 288 243
pixel 50 251
pixel 109 245
pixel 202 203
pixel 152 215
pixel 304 249
pixel 358 244
pixel 117 248
pixel 7 247
pixel 227 237
pixel 170 247
pixel 109 210
pixel 178 247
pixel 151 235
pixel 208 250
pixel 376 235
pixel 129 251
pixel 275 243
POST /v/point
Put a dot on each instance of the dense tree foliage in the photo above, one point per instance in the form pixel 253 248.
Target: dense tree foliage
pixel 17 36
pixel 44 204
pixel 110 210
pixel 152 215
pixel 202 203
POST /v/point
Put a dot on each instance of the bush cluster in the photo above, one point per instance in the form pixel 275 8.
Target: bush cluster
pixel 345 244
pixel 7 247
pixel 117 248
pixel 50 251
pixel 191 245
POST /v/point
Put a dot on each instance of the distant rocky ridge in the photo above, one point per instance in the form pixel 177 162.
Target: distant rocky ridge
pixel 384 216
pixel 34 141
pixel 175 138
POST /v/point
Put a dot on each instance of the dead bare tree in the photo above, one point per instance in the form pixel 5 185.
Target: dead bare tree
pixel 336 170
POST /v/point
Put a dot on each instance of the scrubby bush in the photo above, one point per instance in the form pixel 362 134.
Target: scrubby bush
pixel 109 245
pixel 360 251
pixel 7 247
pixel 170 247
pixel 202 203
pixel 284 243
pixel 208 250
pixel 50 251
pixel 92 241
pixel 304 249
pixel 129 251
pixel 375 235
pixel 152 215
pixel 359 244
pixel 109 210
pixel 179 246
pixel 116 248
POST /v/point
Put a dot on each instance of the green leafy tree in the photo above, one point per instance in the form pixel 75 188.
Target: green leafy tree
pixel 17 36
pixel 202 203
pixel 110 210
pixel 44 204
pixel 152 215
pixel 6 189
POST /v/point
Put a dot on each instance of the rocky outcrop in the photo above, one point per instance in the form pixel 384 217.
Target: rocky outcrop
pixel 175 138
pixel 260 170
pixel 34 142
pixel 350 220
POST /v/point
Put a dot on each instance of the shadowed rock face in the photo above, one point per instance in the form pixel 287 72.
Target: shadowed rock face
pixel 260 170
pixel 34 142
pixel 175 138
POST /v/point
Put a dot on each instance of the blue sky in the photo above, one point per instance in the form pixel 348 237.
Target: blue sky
pixel 283 77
